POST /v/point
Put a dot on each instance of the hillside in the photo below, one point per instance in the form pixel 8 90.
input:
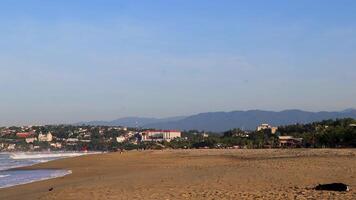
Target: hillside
pixel 221 121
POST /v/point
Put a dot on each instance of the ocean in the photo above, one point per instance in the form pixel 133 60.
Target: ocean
pixel 9 161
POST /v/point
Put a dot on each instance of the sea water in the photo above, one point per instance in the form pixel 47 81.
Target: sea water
pixel 9 161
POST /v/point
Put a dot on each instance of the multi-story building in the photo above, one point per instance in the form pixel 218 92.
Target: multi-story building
pixel 266 127
pixel 160 135
pixel 45 137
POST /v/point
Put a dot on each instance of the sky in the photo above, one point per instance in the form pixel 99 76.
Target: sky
pixel 69 61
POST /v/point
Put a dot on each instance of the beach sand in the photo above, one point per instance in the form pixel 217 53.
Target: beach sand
pixel 196 174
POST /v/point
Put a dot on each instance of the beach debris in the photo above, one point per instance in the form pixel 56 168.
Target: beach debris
pixel 50 189
pixel 340 187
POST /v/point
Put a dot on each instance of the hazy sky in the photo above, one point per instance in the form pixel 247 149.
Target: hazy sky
pixel 68 61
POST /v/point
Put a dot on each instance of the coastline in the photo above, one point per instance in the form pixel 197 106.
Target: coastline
pixel 195 174
pixel 59 173
pixel 14 166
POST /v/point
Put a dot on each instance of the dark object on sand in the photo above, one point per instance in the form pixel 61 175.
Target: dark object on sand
pixel 340 187
pixel 50 189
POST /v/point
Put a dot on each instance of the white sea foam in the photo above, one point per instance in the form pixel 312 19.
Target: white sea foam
pixel 12 166
pixel 18 178
pixel 18 156
pixel 21 159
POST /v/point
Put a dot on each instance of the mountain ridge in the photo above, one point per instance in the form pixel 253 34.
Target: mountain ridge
pixel 222 121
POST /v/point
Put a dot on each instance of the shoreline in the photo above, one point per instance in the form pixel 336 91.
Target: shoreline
pixel 67 172
pixel 24 173
pixel 194 174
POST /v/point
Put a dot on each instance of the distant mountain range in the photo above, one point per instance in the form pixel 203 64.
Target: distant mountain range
pixel 131 121
pixel 222 121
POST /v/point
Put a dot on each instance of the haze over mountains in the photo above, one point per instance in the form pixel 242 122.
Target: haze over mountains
pixel 222 121
pixel 132 121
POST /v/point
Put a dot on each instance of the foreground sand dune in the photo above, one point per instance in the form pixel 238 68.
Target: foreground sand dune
pixel 197 174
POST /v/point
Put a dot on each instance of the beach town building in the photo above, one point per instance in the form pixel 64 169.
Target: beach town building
pixel 72 140
pixel 119 128
pixel 11 147
pixel 267 127
pixel 127 136
pixel 25 134
pixel 120 139
pixel 45 137
pixel 289 141
pixel 205 135
pixel 130 134
pixel 82 130
pixel 6 132
pixel 159 135
pixel 87 135
pixel 30 140
pixel 57 145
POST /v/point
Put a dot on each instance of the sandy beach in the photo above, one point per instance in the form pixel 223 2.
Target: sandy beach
pixel 196 174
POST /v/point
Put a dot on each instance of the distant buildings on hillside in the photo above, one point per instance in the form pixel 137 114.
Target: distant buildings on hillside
pixel 267 127
pixel 59 137
pixel 72 137
pixel 25 134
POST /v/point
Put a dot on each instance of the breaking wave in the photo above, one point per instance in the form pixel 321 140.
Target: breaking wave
pixel 18 156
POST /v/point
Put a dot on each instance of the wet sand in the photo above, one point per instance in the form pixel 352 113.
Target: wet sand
pixel 197 174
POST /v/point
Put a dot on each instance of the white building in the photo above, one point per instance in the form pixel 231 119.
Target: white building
pixel 130 134
pixel 120 139
pixel 30 140
pixel 56 145
pixel 160 135
pixel 121 128
pixel 87 135
pixel 72 140
pixel 11 147
pixel 205 135
pixel 267 126
pixel 45 137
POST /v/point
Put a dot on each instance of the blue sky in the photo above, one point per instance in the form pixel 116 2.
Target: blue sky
pixel 69 61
